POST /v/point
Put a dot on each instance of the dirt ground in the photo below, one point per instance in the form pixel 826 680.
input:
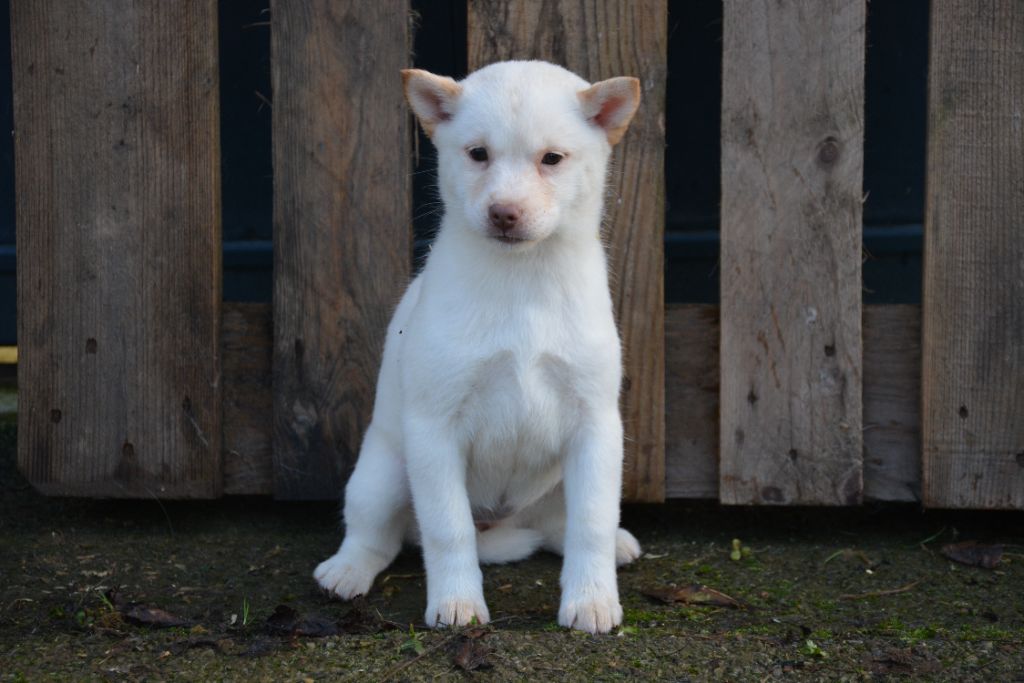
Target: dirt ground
pixel 149 590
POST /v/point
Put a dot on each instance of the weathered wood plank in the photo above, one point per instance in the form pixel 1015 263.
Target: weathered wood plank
pixel 892 403
pixel 247 347
pixel 792 160
pixel 973 363
pixel 119 265
pixel 599 39
pixel 342 235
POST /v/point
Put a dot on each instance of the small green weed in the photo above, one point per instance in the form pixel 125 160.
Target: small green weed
pixel 106 601
pixel 916 635
pixel 811 649
pixel 414 643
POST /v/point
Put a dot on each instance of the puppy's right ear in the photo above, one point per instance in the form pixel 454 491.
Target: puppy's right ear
pixel 431 97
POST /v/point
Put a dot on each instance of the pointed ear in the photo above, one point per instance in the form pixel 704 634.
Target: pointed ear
pixel 431 97
pixel 611 104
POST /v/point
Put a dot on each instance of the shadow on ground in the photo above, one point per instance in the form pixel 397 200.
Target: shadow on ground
pixel 87 589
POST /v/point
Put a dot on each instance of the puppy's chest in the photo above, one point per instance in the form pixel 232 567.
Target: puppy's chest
pixel 516 415
pixel 518 406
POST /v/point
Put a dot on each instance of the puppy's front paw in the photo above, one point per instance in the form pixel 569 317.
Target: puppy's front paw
pixel 344 578
pixel 594 613
pixel 456 611
pixel 627 548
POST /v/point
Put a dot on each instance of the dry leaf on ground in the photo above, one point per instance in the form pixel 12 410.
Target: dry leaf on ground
pixel 287 622
pixel 974 554
pixel 694 594
pixel 470 653
pixel 153 616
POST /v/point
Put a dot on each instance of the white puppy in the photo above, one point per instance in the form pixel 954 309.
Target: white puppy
pixel 496 418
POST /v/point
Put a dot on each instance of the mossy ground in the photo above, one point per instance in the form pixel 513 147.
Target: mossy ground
pixel 225 566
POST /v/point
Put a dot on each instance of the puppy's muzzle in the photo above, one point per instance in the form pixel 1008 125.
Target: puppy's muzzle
pixel 506 222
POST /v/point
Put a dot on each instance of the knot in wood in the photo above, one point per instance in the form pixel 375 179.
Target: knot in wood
pixel 828 151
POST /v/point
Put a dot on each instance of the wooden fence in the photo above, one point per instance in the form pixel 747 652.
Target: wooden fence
pixel 137 381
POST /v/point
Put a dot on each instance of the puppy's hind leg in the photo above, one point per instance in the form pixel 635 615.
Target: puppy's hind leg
pixel 627 548
pixel 548 517
pixel 376 515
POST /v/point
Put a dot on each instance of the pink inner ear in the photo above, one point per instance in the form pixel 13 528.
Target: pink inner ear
pixel 604 117
pixel 436 105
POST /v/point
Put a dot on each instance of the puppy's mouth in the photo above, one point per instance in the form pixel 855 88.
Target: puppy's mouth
pixel 509 239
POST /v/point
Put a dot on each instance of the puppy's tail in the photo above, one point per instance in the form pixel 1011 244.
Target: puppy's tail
pixel 500 544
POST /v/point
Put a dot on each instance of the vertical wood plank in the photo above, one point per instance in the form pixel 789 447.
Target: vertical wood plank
pixel 792 160
pixel 119 275
pixel 973 344
pixel 599 39
pixel 342 232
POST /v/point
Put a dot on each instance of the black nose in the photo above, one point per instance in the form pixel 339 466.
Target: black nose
pixel 504 216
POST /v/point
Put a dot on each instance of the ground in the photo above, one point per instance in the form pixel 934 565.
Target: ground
pixel 859 594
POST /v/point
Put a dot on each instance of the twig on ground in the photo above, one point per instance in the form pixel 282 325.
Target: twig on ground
pixel 437 646
pixel 387 578
pixel 433 648
pixel 880 594
pixel 847 553
pixel 931 538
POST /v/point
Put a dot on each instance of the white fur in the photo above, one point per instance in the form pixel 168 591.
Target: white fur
pixel 497 402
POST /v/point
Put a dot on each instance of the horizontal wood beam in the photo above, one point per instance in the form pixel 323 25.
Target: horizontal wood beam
pixel 892 355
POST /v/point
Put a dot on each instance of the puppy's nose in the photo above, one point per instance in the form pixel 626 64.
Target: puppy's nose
pixel 504 216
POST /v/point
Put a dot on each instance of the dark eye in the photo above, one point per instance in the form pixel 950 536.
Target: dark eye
pixel 478 154
pixel 551 158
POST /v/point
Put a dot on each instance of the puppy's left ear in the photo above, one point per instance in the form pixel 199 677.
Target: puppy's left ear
pixel 611 104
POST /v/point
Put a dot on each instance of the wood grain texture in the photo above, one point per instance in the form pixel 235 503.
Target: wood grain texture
pixel 342 230
pixel 691 401
pixel 119 265
pixel 892 403
pixel 792 160
pixel 892 426
pixel 600 39
pixel 973 364
pixel 247 348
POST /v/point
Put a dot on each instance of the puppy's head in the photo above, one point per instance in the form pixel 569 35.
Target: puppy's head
pixel 522 147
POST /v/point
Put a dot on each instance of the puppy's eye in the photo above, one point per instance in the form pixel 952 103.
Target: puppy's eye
pixel 478 154
pixel 551 158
